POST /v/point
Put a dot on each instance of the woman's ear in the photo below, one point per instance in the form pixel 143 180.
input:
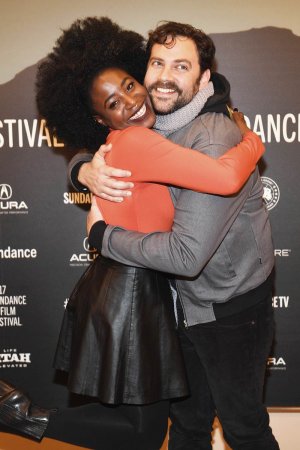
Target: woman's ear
pixel 99 120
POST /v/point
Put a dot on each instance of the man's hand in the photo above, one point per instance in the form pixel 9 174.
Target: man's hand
pixel 93 216
pixel 239 119
pixel 97 176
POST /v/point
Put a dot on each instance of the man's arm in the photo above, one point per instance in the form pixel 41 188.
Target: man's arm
pixel 74 167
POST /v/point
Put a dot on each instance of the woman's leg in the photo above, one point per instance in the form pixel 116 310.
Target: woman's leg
pixel 92 425
pixel 125 427
pixel 151 423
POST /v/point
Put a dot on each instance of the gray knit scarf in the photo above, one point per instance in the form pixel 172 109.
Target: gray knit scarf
pixel 168 123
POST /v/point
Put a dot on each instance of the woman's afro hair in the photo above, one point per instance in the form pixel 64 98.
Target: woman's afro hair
pixel 64 77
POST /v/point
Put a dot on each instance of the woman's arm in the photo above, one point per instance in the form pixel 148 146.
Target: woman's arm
pixel 152 158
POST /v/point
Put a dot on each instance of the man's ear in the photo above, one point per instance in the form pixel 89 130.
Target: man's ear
pixel 204 80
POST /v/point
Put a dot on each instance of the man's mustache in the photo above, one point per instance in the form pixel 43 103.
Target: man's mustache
pixel 165 85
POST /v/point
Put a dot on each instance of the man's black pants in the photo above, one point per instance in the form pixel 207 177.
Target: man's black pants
pixel 226 362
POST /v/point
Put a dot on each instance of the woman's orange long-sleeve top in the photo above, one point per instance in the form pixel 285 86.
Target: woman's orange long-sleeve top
pixel 155 162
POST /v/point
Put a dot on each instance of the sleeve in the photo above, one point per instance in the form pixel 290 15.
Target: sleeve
pixel 74 167
pixel 160 160
pixel 96 234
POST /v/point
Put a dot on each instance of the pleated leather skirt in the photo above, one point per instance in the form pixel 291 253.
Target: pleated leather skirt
pixel 118 340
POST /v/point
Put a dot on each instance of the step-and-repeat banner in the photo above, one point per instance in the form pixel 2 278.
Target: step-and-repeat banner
pixel 43 244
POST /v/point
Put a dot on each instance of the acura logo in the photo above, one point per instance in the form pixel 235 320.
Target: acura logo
pixel 5 192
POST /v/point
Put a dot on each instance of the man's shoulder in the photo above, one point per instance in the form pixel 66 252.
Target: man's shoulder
pixel 209 129
pixel 216 125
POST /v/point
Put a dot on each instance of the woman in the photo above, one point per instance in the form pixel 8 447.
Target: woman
pixel 118 340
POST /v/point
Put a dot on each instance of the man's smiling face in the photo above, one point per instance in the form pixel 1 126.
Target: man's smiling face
pixel 173 74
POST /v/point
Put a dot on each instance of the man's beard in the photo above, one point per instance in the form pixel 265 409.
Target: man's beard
pixel 181 100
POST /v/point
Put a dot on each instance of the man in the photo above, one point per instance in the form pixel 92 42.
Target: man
pixel 221 246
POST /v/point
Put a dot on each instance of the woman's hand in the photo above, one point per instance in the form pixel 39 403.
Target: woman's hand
pixel 93 216
pixel 238 118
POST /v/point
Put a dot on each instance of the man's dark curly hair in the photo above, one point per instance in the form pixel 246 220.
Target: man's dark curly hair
pixel 166 33
pixel 64 78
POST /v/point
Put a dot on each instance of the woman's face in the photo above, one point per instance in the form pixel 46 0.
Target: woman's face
pixel 119 101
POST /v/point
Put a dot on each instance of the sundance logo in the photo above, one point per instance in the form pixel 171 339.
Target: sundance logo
pixel 271 193
pixel 276 363
pixel 11 358
pixel 18 253
pixel 77 198
pixel 84 259
pixel 9 206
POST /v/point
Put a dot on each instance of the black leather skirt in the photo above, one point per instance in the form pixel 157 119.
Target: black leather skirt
pixel 118 340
